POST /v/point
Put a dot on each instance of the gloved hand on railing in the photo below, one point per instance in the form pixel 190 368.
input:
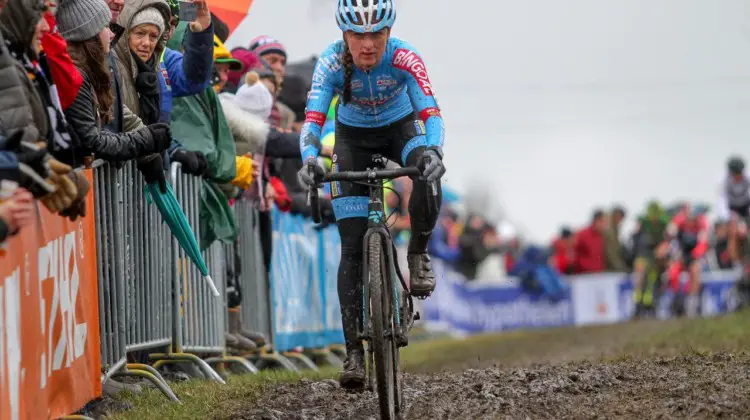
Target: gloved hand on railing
pixel 152 169
pixel 162 136
pixel 65 187
pixel 193 163
pixel 33 168
pixel 78 207
pixel 35 158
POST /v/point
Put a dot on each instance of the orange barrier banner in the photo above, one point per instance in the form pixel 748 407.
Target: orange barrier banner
pixel 49 317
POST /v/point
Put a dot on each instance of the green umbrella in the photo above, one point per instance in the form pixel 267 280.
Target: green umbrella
pixel 173 215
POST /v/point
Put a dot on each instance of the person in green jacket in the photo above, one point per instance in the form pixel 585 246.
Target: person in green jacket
pixel 652 258
pixel 199 122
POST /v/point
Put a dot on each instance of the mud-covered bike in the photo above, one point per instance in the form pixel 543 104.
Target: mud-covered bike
pixel 390 315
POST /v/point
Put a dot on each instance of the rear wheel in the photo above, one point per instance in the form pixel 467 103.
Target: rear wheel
pixel 382 316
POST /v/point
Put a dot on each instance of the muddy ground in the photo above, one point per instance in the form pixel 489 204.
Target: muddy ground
pixel 601 373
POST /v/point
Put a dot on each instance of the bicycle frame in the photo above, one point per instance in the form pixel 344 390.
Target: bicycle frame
pixel 388 320
pixel 376 226
pixel 373 177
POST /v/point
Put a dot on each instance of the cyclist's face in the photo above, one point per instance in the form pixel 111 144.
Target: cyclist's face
pixel 367 49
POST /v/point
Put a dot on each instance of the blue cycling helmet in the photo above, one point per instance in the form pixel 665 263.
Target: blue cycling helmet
pixel 363 16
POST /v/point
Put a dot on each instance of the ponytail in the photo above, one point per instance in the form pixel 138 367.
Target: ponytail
pixel 348 70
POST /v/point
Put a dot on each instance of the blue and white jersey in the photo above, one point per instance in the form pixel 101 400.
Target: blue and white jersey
pixel 395 88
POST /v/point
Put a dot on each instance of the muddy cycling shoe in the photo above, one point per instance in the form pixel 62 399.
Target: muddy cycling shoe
pixel 422 278
pixel 353 375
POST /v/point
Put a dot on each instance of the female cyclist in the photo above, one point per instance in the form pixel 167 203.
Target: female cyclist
pixel 386 107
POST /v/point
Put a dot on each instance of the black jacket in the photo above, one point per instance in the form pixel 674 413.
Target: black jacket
pixel 283 145
pixel 83 116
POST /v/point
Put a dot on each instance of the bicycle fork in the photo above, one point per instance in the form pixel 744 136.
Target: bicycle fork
pixel 399 307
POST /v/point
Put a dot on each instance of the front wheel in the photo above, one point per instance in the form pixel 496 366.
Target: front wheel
pixel 382 324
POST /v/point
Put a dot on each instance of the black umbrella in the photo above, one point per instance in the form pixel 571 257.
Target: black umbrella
pixel 221 29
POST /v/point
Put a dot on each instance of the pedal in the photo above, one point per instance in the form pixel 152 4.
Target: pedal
pixel 402 340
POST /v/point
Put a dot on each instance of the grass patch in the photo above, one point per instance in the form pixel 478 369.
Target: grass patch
pixel 633 340
pixel 724 333
pixel 205 399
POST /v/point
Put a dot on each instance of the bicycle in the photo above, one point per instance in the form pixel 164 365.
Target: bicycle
pixel 391 313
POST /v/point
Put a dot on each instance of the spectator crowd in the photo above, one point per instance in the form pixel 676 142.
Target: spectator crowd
pixel 126 80
pixel 668 248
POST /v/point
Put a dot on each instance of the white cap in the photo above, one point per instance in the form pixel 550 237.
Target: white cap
pixel 255 99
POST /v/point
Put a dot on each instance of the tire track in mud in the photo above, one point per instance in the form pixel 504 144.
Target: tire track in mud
pixel 550 375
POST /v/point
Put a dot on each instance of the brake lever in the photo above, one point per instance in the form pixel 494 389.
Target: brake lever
pixel 312 197
pixel 433 184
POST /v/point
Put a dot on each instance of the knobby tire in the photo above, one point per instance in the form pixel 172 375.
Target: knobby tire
pixel 381 322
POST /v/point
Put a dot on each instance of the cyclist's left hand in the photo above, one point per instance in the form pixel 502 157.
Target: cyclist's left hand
pixel 432 168
pixel 310 174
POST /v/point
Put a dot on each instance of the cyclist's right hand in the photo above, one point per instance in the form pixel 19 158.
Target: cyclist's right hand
pixel 310 174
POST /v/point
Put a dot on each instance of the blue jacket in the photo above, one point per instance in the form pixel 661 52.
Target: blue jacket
pixel 189 73
pixel 438 247
pixel 536 275
pixel 8 166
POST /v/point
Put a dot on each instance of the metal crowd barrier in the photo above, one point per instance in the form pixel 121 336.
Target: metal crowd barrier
pixel 200 317
pixel 256 303
pixel 108 184
pixel 256 312
pixel 148 252
pixel 152 296
pixel 118 306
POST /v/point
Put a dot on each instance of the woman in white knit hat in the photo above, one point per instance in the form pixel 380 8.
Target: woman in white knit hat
pixel 85 26
pixel 254 96
pixel 138 52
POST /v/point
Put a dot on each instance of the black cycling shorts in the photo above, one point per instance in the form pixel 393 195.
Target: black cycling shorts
pixel 742 211
pixel 354 150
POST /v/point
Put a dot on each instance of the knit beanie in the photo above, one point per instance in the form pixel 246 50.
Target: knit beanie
pixel 149 15
pixel 81 20
pixel 264 44
pixel 254 97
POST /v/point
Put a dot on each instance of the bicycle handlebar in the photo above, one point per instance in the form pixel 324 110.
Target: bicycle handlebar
pixel 314 204
pixel 369 175
pixel 372 175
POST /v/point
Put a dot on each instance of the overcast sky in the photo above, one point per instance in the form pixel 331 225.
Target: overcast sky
pixel 568 104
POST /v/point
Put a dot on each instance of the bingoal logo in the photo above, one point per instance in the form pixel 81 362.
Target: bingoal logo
pixel 409 60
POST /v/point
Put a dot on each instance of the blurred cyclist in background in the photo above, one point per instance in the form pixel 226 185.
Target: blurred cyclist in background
pixel 690 229
pixel 386 107
pixel 734 206
pixel 652 258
